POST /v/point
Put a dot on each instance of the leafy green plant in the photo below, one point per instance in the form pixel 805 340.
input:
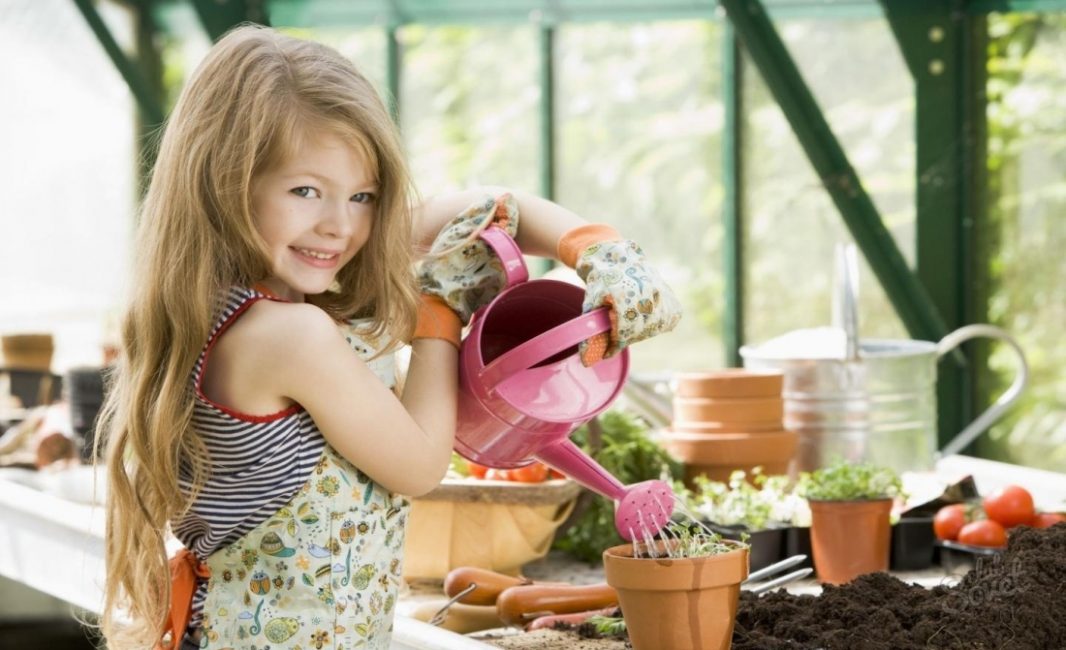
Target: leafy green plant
pixel 843 481
pixel 625 450
pixel 458 466
pixel 684 542
pixel 613 626
pixel 769 501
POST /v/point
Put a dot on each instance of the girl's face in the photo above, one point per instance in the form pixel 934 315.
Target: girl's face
pixel 314 211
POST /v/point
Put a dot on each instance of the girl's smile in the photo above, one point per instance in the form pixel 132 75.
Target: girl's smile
pixel 318 258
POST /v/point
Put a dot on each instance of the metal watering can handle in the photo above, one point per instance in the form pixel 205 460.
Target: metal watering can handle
pixel 514 266
pixel 1004 402
pixel 545 345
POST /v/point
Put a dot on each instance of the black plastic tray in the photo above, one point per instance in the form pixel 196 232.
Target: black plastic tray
pixel 912 544
pixel 956 557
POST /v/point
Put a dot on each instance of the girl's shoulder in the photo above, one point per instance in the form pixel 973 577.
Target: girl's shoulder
pixel 276 331
pixel 248 362
pixel 271 321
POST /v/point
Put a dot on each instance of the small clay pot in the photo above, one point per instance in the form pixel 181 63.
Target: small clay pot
pixel 682 604
pixel 27 351
pixel 737 410
pixel 731 382
pixel 850 538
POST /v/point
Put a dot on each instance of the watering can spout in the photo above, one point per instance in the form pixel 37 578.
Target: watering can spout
pixel 642 509
pixel 566 457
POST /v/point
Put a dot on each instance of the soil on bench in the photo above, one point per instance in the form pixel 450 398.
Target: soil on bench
pixel 1014 600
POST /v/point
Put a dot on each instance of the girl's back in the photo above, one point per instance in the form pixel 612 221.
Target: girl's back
pixel 310 546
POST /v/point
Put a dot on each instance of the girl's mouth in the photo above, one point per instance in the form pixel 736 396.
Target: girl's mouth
pixel 320 259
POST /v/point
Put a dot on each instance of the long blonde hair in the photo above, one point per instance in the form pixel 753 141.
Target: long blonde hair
pixel 245 109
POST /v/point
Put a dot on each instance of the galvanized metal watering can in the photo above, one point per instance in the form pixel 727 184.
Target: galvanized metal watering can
pixel 875 399
pixel 523 389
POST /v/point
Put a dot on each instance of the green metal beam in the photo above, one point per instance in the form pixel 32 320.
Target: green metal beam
pixel 761 41
pixel 479 12
pixel 146 99
pixel 547 111
pixel 364 13
pixel 219 16
pixel 932 35
pixel 393 64
pixel 150 62
pixel 1006 6
pixel 976 268
pixel 308 13
pixel 546 127
pixel 732 208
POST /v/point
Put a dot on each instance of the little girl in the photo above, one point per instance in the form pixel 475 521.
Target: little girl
pixel 252 413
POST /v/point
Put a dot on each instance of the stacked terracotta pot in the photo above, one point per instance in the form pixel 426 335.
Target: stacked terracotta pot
pixel 726 420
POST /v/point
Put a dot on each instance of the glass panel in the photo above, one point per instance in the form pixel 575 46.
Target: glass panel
pixel 66 176
pixel 469 106
pixel 639 146
pixel 792 225
pixel 364 47
pixel 1027 183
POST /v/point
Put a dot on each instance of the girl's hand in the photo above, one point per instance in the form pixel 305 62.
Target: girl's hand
pixel 461 269
pixel 618 276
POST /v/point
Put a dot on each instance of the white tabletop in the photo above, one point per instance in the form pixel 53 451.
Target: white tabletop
pixel 55 544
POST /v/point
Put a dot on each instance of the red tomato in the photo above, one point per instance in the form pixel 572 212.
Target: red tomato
pixel 1010 506
pixel 949 520
pixel 534 473
pixel 475 470
pixel 1046 519
pixel 984 532
pixel 494 474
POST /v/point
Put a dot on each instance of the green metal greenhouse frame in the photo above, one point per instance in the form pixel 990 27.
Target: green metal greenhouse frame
pixel 943 43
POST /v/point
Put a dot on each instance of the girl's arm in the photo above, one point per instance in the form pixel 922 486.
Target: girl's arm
pixel 614 270
pixel 543 222
pixel 301 357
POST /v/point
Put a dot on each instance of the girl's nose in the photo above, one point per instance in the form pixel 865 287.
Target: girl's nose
pixel 336 222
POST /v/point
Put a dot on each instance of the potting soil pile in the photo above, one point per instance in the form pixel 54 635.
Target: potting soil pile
pixel 1015 600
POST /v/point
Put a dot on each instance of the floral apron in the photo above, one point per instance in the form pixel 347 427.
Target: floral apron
pixel 323 572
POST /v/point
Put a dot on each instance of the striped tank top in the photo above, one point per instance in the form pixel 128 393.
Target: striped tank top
pixel 258 462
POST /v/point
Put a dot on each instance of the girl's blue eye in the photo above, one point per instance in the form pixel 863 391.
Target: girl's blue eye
pixel 306 192
pixel 364 197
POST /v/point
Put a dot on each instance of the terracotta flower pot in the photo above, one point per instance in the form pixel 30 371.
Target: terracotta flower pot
pixel 27 351
pixel 683 604
pixel 731 382
pixel 713 409
pixel 716 457
pixel 850 538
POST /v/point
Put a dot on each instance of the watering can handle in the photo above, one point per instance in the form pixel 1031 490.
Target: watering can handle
pixel 514 266
pixel 545 345
pixel 1004 402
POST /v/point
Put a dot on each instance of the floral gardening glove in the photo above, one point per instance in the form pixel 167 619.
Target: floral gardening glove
pixel 617 275
pixel 460 268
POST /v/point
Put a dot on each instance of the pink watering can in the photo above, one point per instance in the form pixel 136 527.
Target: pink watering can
pixel 523 389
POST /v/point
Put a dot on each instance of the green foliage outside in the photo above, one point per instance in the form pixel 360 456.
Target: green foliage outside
pixel 1026 237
